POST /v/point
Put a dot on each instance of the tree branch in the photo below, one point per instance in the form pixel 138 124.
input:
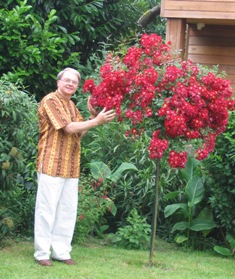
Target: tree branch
pixel 149 16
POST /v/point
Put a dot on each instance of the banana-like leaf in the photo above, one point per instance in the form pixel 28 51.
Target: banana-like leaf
pixel 187 172
pixel 223 251
pixel 231 240
pixel 201 224
pixel 99 170
pixel 180 226
pixel 171 195
pixel 206 214
pixel 112 208
pixel 180 239
pixel 195 190
pixel 118 173
pixel 172 208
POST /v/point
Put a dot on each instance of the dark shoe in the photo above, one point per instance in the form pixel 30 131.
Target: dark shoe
pixel 44 262
pixel 68 261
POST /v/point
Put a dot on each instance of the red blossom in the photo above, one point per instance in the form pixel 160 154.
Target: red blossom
pixel 88 86
pixel 150 88
pixel 157 146
pixel 177 160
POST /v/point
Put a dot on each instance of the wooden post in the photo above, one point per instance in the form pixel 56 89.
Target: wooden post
pixel 176 34
pixel 155 214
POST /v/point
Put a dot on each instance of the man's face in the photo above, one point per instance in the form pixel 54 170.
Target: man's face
pixel 68 84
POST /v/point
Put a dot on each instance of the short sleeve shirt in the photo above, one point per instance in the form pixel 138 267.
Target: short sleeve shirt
pixel 58 152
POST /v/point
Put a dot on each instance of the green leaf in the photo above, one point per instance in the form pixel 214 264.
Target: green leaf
pixel 180 226
pixel 113 208
pixel 201 224
pixel 195 190
pixel 206 214
pixel 171 195
pixel 99 169
pixel 180 239
pixel 231 240
pixel 124 167
pixel 223 251
pixel 172 208
pixel 187 172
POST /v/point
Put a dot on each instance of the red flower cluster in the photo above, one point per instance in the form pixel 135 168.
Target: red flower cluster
pixel 177 160
pixel 157 90
pixel 157 146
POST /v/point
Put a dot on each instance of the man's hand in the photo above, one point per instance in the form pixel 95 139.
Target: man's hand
pixel 91 109
pixel 105 116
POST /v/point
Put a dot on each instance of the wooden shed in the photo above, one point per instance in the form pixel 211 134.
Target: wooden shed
pixel 203 31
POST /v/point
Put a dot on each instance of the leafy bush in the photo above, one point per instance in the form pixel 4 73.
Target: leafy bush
pixel 18 211
pixel 93 203
pixel 221 182
pixel 135 234
pixel 192 216
pixel 6 222
pixel 18 138
pixel 18 133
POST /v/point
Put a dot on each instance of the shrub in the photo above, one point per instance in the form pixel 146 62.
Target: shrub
pixel 221 182
pixel 135 234
pixel 18 137
pixel 93 203
pixel 18 133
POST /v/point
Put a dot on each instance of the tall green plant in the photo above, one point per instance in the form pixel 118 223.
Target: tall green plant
pixel 94 200
pixel 18 133
pixel 190 218
pixel 220 169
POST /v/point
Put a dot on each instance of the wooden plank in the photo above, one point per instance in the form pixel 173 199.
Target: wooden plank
pixel 207 41
pixel 224 2
pixel 204 1
pixel 201 9
pixel 175 33
pixel 228 69
pixel 212 31
pixel 211 59
pixel 214 6
pixel 211 21
pixel 198 14
pixel 212 50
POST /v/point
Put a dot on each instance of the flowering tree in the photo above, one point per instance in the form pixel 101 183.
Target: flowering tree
pixel 175 101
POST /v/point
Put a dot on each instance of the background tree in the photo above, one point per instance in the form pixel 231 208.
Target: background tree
pixel 38 38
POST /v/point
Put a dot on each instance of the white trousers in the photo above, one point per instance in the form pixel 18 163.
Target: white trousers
pixel 55 216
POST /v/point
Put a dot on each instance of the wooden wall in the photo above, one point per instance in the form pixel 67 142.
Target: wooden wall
pixel 203 31
pixel 212 45
pixel 209 9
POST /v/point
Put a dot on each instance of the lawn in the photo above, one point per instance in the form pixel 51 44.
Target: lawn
pixel 97 260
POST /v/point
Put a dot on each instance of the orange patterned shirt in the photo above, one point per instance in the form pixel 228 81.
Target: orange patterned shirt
pixel 58 152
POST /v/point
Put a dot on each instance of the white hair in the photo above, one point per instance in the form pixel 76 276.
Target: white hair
pixel 59 76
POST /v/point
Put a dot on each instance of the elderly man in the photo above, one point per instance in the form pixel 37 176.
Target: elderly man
pixel 58 166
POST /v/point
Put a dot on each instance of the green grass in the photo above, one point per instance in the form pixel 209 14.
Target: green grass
pixel 100 261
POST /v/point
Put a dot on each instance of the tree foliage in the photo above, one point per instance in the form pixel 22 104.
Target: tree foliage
pixel 18 134
pixel 221 185
pixel 38 38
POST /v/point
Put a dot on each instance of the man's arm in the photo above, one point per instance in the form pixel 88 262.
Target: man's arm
pixel 84 126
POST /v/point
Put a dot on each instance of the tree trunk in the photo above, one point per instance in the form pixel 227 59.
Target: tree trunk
pixel 149 16
pixel 155 214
